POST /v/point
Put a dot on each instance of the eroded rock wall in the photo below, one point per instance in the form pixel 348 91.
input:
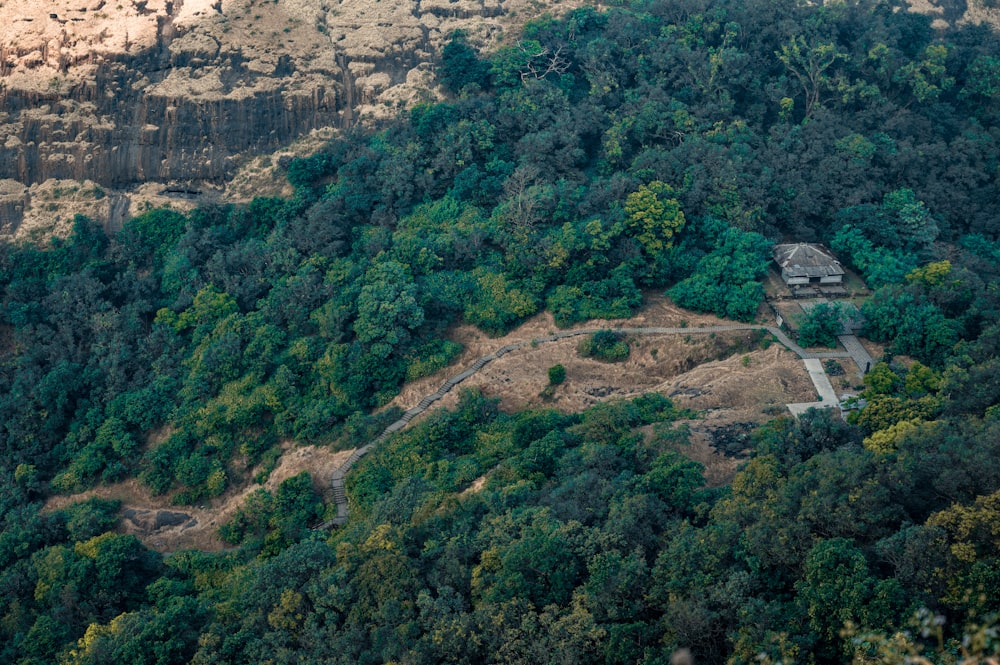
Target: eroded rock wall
pixel 125 92
pixel 132 136
pixel 150 91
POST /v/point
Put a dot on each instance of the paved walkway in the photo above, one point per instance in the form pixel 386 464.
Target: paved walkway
pixel 337 483
pixel 827 396
pixel 859 353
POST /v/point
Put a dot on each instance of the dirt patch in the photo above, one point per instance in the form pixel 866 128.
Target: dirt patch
pixel 719 468
pixel 775 287
pixel 791 315
pixel 727 376
pixel 519 378
pixel 734 439
pixel 526 369
pixel 752 387
pixel 477 486
pixel 158 437
pixel 698 446
pixel 843 375
pixel 264 175
pixel 165 527
pixel 875 349
pixel 50 208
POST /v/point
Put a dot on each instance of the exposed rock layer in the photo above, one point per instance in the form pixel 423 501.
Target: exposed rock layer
pixel 182 92
pixel 123 92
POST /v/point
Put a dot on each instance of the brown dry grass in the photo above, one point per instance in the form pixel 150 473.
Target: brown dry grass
pixel 658 311
pixel 201 534
pixel 706 373
pixel 477 486
pixel 723 376
pixel 671 364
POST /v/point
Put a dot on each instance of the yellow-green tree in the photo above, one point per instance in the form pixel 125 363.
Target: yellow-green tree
pixel 810 64
pixel 932 274
pixel 885 441
pixel 654 216
pixel 974 531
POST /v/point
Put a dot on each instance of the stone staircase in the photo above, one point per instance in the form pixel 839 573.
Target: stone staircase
pixel 338 489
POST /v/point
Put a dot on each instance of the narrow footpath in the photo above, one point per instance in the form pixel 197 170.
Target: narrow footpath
pixel 813 366
pixel 827 396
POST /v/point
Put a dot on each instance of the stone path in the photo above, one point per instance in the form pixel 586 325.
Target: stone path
pixel 337 484
pixel 827 396
pixel 859 353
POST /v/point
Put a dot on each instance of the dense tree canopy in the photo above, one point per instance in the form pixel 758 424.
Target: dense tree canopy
pixel 651 144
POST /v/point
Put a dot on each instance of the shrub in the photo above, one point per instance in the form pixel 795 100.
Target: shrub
pixel 605 345
pixel 430 357
pixel 833 368
pixel 821 326
pixel 557 374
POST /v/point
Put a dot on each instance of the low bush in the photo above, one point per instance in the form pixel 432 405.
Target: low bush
pixel 605 345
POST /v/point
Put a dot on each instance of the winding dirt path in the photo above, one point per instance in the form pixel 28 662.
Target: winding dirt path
pixel 337 486
pixel 153 519
pixel 165 527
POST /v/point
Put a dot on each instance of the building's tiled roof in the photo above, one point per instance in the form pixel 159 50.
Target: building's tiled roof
pixel 806 260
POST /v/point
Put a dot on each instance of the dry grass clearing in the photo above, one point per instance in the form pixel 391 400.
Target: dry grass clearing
pixel 165 527
pixel 727 377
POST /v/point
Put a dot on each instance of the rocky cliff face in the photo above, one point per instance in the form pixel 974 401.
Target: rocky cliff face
pixel 143 91
pixel 158 101
pixel 181 92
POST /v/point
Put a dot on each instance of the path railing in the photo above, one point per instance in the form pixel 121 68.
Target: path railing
pixel 337 486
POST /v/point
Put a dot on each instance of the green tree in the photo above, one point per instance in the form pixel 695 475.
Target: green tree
pixel 911 219
pixel 461 66
pixel 388 310
pixel 913 325
pixel 821 325
pixel 90 518
pixel 210 307
pixel 837 587
pixel 145 637
pixel 498 304
pixel 154 233
pixel 654 216
pixel 927 77
pixel 674 478
pixel 726 280
pixel 878 265
pixel 614 298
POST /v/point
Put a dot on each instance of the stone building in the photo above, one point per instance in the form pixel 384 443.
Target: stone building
pixel 808 264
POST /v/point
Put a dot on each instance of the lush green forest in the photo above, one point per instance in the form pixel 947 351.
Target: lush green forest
pixel 658 144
